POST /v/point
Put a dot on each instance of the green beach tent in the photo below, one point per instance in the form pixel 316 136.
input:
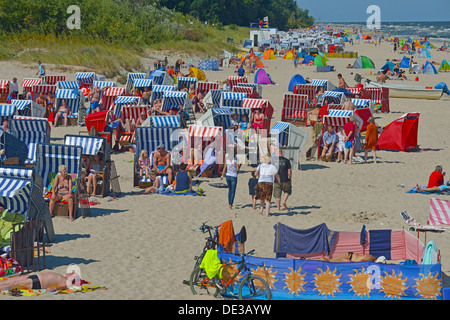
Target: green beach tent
pixel 319 61
pixel 445 66
pixel 362 62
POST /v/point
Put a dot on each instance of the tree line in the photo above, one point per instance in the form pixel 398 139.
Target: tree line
pixel 143 21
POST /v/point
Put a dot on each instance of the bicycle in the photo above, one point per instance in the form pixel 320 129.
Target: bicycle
pixel 211 241
pixel 251 287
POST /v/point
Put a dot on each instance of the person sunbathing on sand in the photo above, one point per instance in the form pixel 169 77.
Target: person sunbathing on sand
pixel 49 281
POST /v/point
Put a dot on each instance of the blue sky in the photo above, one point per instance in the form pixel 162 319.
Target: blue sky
pixel 391 10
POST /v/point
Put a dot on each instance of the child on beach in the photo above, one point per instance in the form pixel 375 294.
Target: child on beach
pixel 371 139
pixel 144 163
pixel 341 143
pixel 252 182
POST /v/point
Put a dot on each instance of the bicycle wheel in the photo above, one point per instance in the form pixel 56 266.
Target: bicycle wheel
pixel 254 287
pixel 200 283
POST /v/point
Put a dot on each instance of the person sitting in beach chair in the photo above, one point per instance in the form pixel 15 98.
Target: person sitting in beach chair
pixel 435 181
pixel 62 187
pixel 161 163
pixel 64 111
pixel 329 140
pixel 95 173
pixel 197 101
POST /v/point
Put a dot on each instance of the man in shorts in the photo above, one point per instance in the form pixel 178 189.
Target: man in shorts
pixel 350 134
pixel 161 162
pixel 285 187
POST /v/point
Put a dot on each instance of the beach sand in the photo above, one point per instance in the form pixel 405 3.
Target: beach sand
pixel 142 246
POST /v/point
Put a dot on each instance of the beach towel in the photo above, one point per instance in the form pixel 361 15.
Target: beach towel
pixel 318 239
pixel 380 243
pixel 227 236
pixel 442 192
pixel 430 255
pixel 86 286
pixel 211 264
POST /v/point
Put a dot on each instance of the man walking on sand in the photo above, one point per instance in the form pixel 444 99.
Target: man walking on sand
pixel 285 187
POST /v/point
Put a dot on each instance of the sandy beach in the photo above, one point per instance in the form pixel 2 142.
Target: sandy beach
pixel 142 246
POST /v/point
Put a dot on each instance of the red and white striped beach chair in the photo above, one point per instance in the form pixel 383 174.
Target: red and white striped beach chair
pixel 262 104
pixel 378 96
pixel 295 108
pixel 109 95
pixel 46 89
pixel 206 86
pixel 28 83
pixel 356 91
pixel 52 80
pixel 306 89
pixel 234 80
pixel 132 113
pixel 4 90
pixel 202 132
pixel 251 92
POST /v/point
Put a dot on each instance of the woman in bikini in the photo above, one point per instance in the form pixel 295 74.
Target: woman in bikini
pixel 95 169
pixel 50 104
pixel 62 189
pixel 258 120
pixel 64 111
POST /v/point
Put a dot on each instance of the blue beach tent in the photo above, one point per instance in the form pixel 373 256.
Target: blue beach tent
pixel 428 68
pixel 296 79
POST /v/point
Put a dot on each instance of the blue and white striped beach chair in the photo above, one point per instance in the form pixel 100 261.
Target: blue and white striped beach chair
pixel 28 108
pixel 158 92
pixel 74 99
pixel 131 77
pixel 231 99
pixel 68 85
pixel 187 82
pixel 333 97
pixel 31 131
pixel 51 156
pixel 174 100
pixel 291 139
pixel 94 145
pixel 160 77
pixel 25 187
pixel 212 98
pixel 86 78
pixel 121 101
pixel 141 84
pixel 149 138
pixel 7 111
pixel 165 121
pixel 14 148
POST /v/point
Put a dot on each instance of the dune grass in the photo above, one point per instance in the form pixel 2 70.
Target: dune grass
pixel 112 59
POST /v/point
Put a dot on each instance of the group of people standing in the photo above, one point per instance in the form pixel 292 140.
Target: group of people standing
pixel 272 177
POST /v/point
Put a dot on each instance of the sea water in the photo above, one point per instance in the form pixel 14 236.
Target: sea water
pixel 433 30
